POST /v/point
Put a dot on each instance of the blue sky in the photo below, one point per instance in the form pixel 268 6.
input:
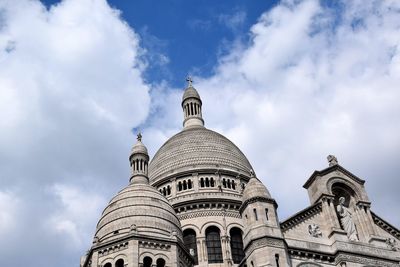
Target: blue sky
pixel 288 82
pixel 191 34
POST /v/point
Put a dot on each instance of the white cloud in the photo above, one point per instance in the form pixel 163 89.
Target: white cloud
pixel 77 213
pixel 9 207
pixel 312 83
pixel 71 89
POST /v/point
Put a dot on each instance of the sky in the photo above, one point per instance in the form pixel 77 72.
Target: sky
pixel 289 82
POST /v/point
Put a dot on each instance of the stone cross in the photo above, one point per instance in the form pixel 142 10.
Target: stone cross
pixel 139 137
pixel 189 80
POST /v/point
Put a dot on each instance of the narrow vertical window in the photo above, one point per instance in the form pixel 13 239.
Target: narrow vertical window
pixel 277 260
pixel 202 182
pixel 184 185
pixel 236 245
pixel 255 214
pixel 189 184
pixel 212 182
pixel 266 214
pixel 180 186
pixel 207 182
pixel 189 239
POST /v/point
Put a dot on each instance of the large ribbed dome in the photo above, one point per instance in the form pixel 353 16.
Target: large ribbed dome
pixel 138 208
pixel 197 148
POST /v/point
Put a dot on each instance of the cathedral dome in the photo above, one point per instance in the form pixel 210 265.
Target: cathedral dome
pixel 255 189
pixel 197 148
pixel 138 208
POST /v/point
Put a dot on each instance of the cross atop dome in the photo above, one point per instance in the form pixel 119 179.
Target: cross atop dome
pixel 189 80
pixel 139 137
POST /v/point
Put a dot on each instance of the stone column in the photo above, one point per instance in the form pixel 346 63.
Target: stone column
pixel 195 178
pixel 133 256
pixel 173 187
pixel 329 210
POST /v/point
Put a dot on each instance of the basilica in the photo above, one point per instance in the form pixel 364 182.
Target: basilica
pixel 198 202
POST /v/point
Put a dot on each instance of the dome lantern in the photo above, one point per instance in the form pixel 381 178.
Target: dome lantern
pixel 139 161
pixel 191 105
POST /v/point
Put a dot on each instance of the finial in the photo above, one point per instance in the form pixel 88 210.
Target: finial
pixel 189 80
pixel 139 137
pixel 332 160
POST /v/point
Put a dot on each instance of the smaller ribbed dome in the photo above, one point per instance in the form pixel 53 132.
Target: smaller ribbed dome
pixel 139 147
pixel 255 189
pixel 190 92
pixel 141 209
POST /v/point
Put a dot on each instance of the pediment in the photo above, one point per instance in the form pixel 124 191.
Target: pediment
pixel 335 168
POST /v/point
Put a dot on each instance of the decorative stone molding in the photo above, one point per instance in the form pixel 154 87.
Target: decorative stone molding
pixel 257 199
pixel 264 242
pixel 310 255
pixel 208 213
pixel 112 249
pixel 386 226
pixel 154 245
pixel 343 257
pixel 301 216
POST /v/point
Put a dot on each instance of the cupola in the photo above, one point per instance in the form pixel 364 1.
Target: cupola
pixel 191 105
pixel 139 161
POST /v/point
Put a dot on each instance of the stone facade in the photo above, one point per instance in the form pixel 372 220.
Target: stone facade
pixel 199 203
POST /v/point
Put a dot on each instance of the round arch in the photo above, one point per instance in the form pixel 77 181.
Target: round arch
pixel 234 225
pixel 204 227
pixel 193 227
pixel 337 180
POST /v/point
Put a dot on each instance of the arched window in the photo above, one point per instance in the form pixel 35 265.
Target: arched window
pixel 189 239
pixel 233 185
pixel 207 182
pixel 212 182
pixel 277 260
pixel 255 214
pixel 236 245
pixel 119 263
pixel 180 186
pixel 160 262
pixel 266 214
pixel 164 191
pixel 184 185
pixel 191 109
pixel 147 261
pixel 224 182
pixel 202 182
pixel 213 241
pixel 189 184
pixel 107 264
pixel 168 190
pixel 229 183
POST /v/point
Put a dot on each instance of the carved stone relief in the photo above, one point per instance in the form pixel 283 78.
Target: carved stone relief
pixel 314 230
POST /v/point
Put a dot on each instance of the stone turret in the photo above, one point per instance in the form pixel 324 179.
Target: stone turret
pixel 261 226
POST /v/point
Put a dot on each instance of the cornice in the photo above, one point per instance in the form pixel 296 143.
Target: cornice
pixel 301 216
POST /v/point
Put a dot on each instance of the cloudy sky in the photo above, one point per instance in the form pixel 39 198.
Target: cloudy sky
pixel 288 82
